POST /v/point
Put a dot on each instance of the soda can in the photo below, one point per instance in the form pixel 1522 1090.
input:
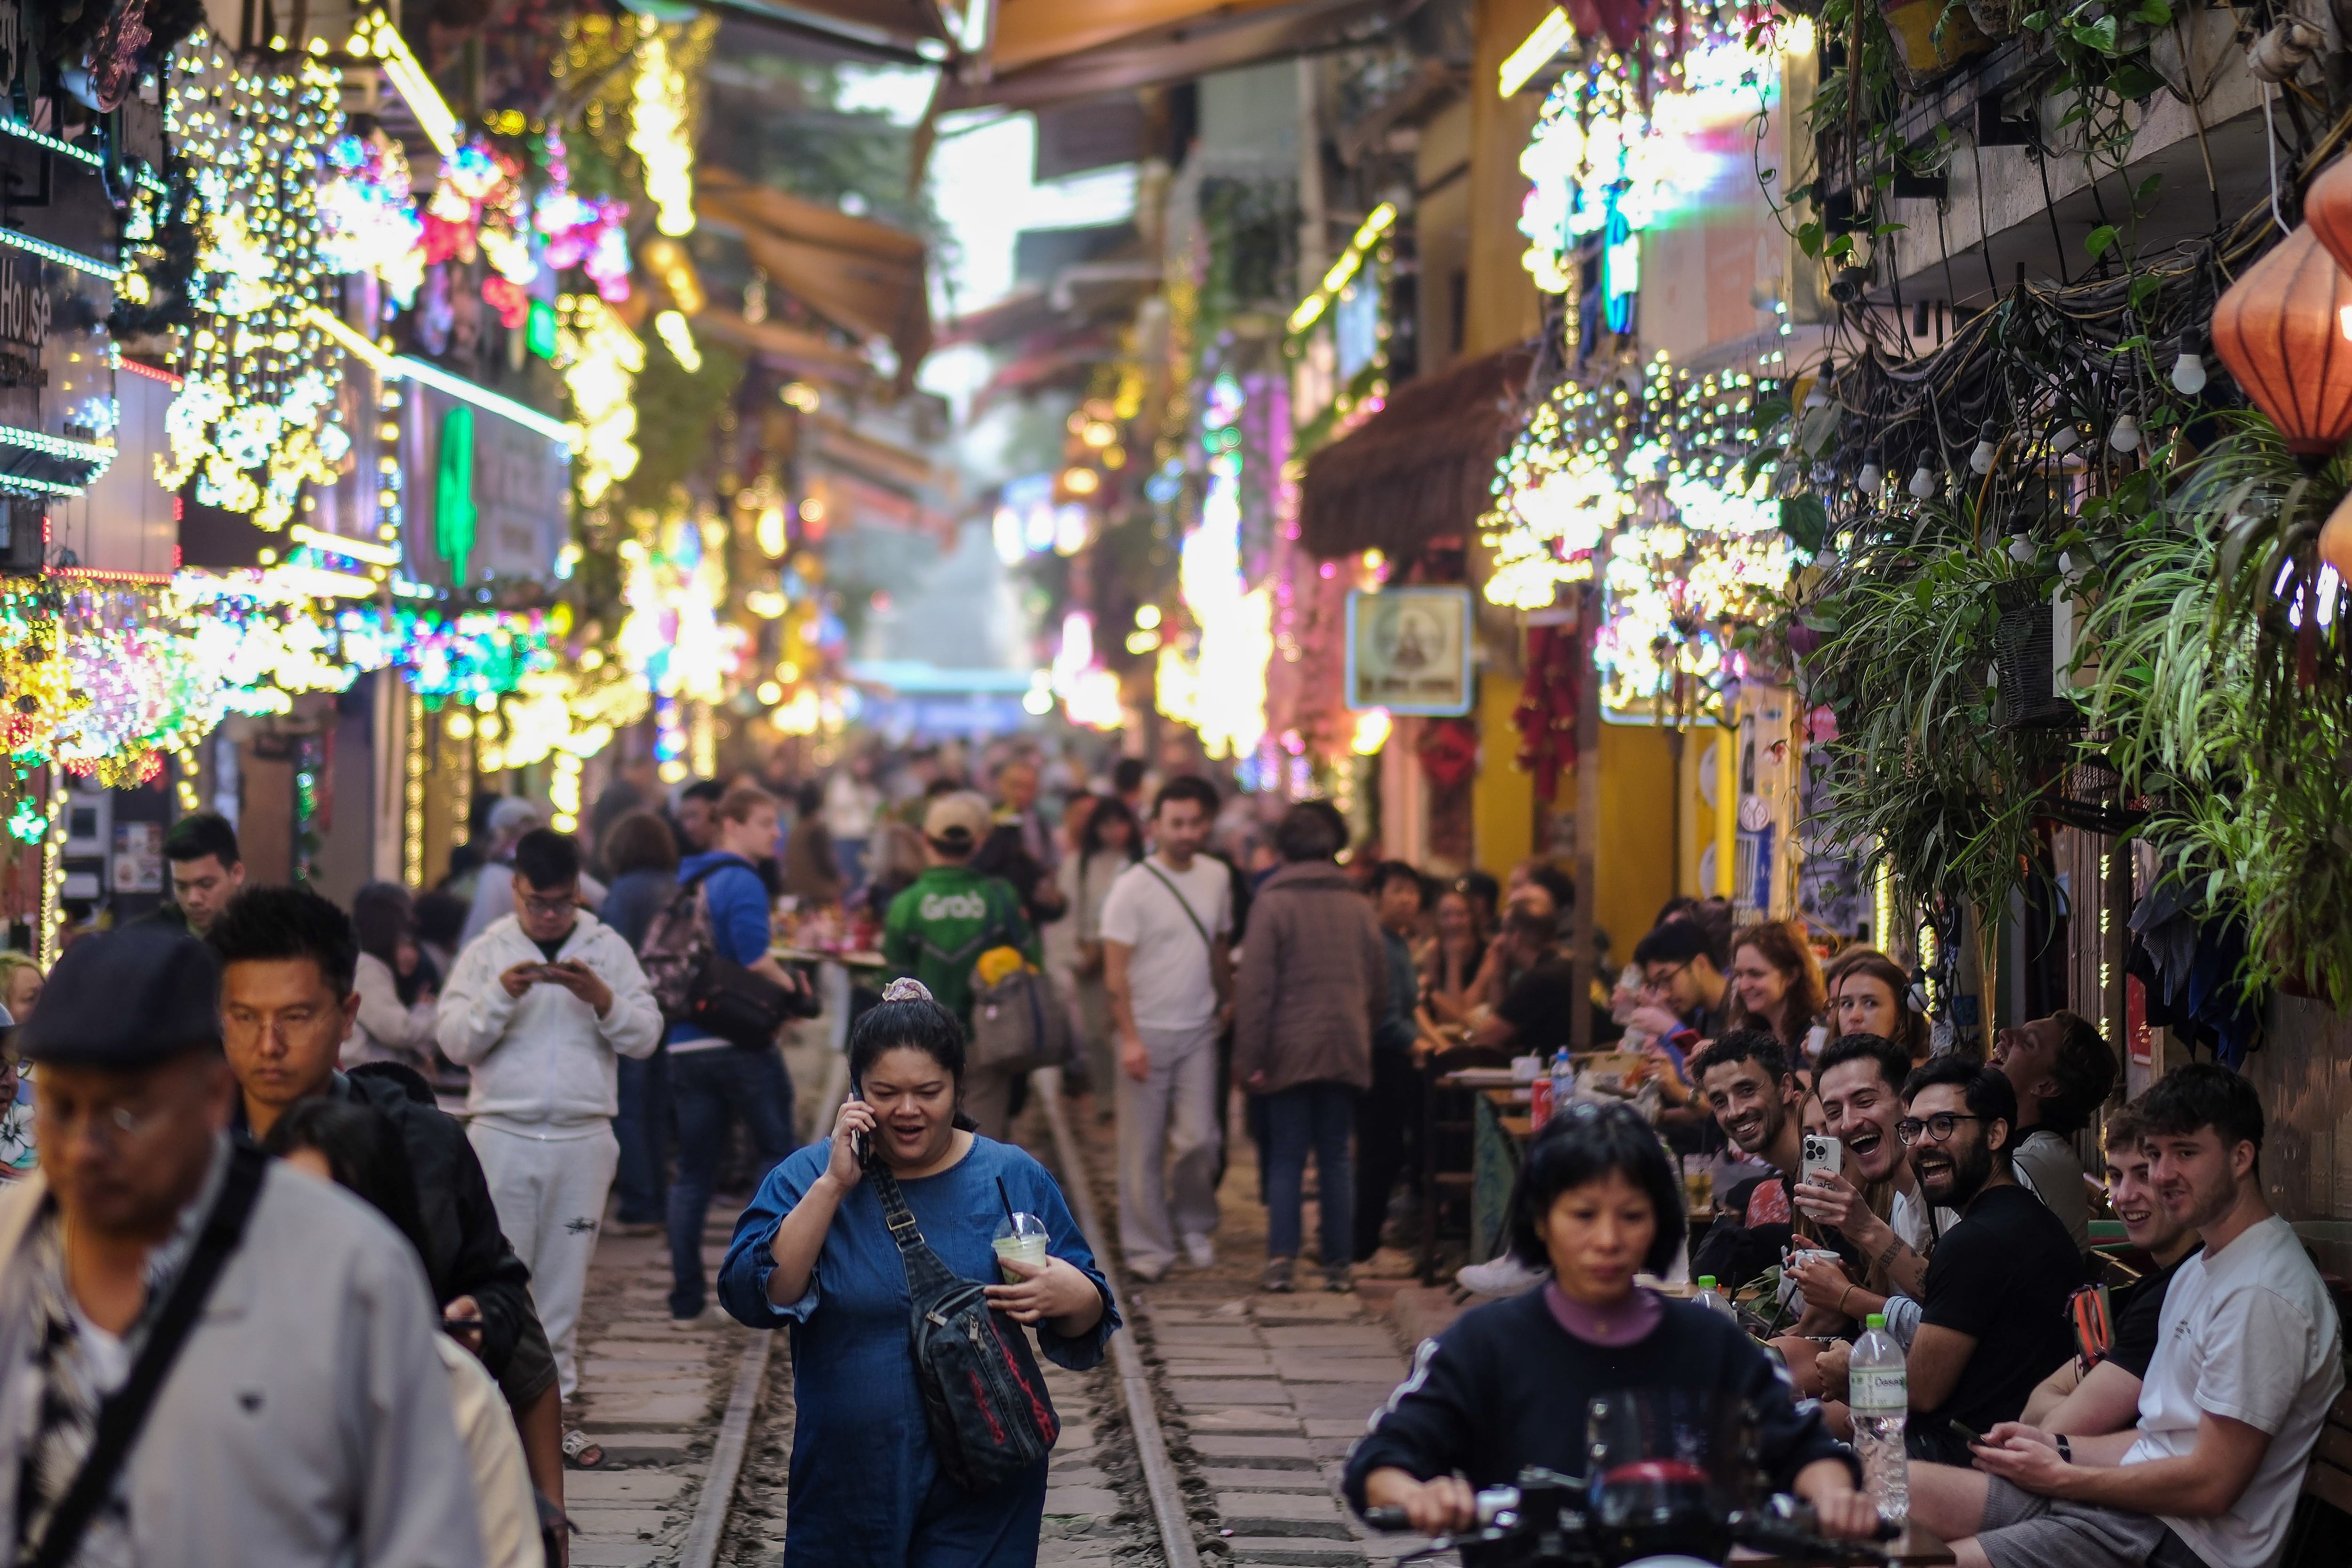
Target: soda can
pixel 1539 1101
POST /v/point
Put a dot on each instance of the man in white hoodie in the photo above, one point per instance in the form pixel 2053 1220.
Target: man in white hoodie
pixel 540 1006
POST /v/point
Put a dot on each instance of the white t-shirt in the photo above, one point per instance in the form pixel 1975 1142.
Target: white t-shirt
pixel 1169 970
pixel 2250 1334
pixel 1908 1219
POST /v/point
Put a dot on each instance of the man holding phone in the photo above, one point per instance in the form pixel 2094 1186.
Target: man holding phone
pixel 539 1006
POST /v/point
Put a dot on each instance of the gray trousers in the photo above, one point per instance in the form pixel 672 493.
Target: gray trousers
pixel 1169 1134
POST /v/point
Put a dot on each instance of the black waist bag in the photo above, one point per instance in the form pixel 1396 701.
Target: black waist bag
pixel 990 1416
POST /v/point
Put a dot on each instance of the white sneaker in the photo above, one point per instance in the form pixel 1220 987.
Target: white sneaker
pixel 1200 1251
pixel 1504 1276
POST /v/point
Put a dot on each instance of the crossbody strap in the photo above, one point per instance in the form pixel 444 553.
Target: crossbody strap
pixel 125 1411
pixel 925 1271
pixel 1183 903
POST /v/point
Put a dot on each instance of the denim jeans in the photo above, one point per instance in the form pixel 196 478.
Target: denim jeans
pixel 1321 1117
pixel 642 1127
pixel 708 1089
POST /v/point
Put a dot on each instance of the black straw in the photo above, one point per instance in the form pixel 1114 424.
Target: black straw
pixel 1006 1196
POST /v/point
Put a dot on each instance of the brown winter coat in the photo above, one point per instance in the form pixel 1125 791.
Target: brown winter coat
pixel 1313 979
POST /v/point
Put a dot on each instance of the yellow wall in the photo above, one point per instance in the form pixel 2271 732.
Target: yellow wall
pixel 1503 304
pixel 1502 799
pixel 1635 858
pixel 1704 749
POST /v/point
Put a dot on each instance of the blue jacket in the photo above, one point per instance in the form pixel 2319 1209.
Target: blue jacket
pixel 738 916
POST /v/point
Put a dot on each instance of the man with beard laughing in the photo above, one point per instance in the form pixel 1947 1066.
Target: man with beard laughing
pixel 1993 1322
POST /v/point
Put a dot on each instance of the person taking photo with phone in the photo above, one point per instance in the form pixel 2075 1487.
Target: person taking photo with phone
pixel 815 1253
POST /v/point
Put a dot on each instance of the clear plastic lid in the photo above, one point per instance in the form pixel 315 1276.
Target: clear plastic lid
pixel 1021 1225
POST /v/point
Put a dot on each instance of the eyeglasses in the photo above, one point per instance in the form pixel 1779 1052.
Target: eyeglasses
pixel 104 1124
pixel 551 907
pixel 1939 1127
pixel 1661 982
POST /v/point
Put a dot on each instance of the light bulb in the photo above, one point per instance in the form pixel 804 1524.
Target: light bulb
pixel 2189 373
pixel 2063 440
pixel 1988 448
pixel 2125 436
pixel 1871 475
pixel 2021 549
pixel 1922 483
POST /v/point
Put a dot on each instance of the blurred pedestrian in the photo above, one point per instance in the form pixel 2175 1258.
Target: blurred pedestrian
pixel 394 1023
pixel 355 1147
pixel 1312 982
pixel 1388 1118
pixel 206 872
pixel 1167 927
pixel 540 1006
pixel 813 871
pixel 144 1210
pixel 287 959
pixel 642 854
pixel 20 982
pixel 509 818
pixel 1016 804
pixel 853 801
pixel 938 928
pixel 714 1080
pixel 1109 842
pixel 698 817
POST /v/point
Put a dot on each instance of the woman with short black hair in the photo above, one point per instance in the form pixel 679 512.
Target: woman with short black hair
pixel 813 1253
pixel 1507 1386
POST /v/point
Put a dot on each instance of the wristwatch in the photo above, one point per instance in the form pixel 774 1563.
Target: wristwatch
pixel 2065 1449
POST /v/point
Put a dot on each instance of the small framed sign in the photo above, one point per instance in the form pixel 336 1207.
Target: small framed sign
pixel 1409 650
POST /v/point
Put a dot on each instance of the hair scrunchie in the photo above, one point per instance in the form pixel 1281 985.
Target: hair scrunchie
pixel 906 989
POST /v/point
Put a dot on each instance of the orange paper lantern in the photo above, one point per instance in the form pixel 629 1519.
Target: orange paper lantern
pixel 2285 329
pixel 2327 208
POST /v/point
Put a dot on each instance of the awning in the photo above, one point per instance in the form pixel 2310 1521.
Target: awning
pixel 907 31
pixel 788 347
pixel 865 277
pixel 1052 51
pixel 1421 468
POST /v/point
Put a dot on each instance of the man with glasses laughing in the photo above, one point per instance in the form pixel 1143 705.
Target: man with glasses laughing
pixel 1993 1321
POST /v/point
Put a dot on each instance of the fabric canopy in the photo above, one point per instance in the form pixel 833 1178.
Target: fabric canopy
pixel 1420 469
pixel 1052 51
pixel 789 347
pixel 866 277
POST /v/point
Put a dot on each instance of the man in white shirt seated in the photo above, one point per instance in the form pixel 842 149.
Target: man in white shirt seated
pixel 2247 1363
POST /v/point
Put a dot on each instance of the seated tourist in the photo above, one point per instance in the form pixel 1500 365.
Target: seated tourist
pixel 1874 1203
pixel 2248 1360
pixel 1539 1008
pixel 1746 1079
pixel 2105 1398
pixel 1993 1319
pixel 2061 1070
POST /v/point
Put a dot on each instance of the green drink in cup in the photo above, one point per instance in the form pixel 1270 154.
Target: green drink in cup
pixel 1020 1238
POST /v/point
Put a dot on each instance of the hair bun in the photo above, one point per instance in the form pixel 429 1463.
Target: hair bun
pixel 906 989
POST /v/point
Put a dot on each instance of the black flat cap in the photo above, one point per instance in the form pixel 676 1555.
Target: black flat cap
pixel 126 998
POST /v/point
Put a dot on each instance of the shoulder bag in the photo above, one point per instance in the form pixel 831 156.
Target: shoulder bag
pixel 1182 902
pixel 986 1404
pixel 125 1412
pixel 694 982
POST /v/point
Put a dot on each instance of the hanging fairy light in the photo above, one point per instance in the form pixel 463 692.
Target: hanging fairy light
pixel 658 121
pixel 367 217
pixel 254 418
pixel 600 359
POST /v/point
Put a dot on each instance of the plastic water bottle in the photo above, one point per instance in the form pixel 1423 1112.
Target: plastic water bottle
pixel 1880 1400
pixel 1563 1081
pixel 1712 1299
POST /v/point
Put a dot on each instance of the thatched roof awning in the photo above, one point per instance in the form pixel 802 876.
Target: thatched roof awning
pixel 1421 468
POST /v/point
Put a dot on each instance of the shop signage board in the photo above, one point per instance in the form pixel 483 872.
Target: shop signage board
pixel 484 497
pixel 1409 650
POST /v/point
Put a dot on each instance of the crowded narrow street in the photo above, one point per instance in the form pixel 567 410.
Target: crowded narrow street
pixel 1175 784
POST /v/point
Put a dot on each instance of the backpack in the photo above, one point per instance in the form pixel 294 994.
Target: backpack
pixel 679 945
pixel 990 1416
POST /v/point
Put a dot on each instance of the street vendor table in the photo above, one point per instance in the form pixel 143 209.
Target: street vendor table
pixel 1916 1547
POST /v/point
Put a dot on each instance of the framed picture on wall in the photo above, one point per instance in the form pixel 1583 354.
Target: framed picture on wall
pixel 1409 650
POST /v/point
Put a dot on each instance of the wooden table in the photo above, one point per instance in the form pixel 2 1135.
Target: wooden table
pixel 1916 1547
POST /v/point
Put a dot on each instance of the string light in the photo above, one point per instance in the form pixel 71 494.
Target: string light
pixel 659 135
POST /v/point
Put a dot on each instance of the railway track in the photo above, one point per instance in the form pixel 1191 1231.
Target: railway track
pixel 1212 1434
